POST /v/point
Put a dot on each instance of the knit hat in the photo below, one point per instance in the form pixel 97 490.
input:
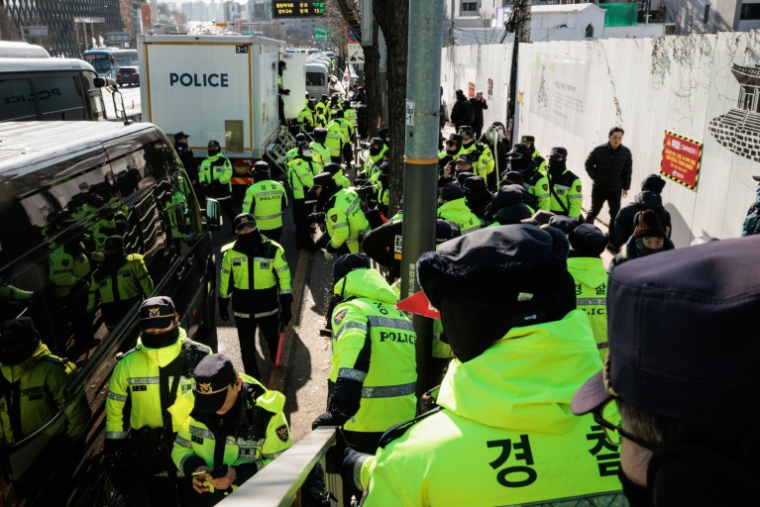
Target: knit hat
pixel 451 191
pixel 495 279
pixel 588 240
pixel 347 263
pixel 463 176
pixel 650 226
pixel 653 183
pixel 563 223
pixel 512 214
pixel 514 178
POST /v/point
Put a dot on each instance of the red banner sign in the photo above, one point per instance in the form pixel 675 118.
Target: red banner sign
pixel 471 89
pixel 681 158
pixel 419 304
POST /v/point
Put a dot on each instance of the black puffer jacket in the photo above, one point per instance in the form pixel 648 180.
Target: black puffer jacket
pixel 610 169
pixel 643 201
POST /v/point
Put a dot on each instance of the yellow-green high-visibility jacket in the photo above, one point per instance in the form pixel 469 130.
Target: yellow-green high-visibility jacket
pixel 290 155
pixel 345 220
pixel 262 437
pixel 136 376
pixel 266 200
pixel 320 154
pixel 373 343
pixel 68 263
pixel 217 169
pixel 177 212
pixel 12 295
pixel 267 266
pixel 458 212
pixel 568 190
pixel 35 393
pixel 483 164
pixel 539 160
pixel 306 117
pixel 129 282
pixel 591 295
pixel 537 184
pixel 347 129
pixel 322 109
pixel 301 176
pixel 505 434
pixel 100 231
pixel 373 160
pixel 350 115
pixel 334 141
pixel 341 180
pixel 319 120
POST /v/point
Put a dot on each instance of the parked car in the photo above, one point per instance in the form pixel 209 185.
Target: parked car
pixel 128 75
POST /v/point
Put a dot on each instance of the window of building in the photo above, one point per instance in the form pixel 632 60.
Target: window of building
pixel 706 17
pixel 750 11
pixel 467 6
pixel 590 31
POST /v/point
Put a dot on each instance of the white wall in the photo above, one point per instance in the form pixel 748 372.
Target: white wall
pixel 638 31
pixel 646 86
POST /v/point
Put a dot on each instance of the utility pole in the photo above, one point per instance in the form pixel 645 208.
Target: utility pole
pixel 519 24
pixel 421 163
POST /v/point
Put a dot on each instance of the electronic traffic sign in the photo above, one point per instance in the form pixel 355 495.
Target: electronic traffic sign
pixel 297 8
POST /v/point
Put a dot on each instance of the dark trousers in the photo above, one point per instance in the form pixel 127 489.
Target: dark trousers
pixel 281 110
pixel 144 490
pixel 335 160
pixel 268 332
pixel 229 209
pixel 273 234
pixel 348 155
pixel 598 198
pixel 301 214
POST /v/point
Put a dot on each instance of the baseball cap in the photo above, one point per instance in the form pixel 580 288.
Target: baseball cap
pixel 558 152
pixel 665 312
pixel 244 220
pixel 214 144
pixel 519 150
pixel 465 159
pixel 157 313
pixel 527 139
pixel 213 375
pixel 180 135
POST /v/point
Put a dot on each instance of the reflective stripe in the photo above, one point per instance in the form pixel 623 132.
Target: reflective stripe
pixel 225 296
pixel 182 442
pixel 200 432
pixel 298 188
pixel 376 321
pixel 388 391
pixel 338 226
pixel 226 271
pixel 264 194
pixel 285 291
pixel 352 240
pixel 351 325
pixel 358 470
pixel 263 259
pixel 352 374
pixel 543 196
pixel 117 397
pixel 285 268
pixel 352 207
pixel 335 247
pixel 268 217
pixel 591 301
pixel 256 316
pixel 575 196
pixel 116 435
pixel 142 380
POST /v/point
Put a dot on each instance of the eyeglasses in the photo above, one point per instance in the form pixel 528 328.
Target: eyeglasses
pixel 614 432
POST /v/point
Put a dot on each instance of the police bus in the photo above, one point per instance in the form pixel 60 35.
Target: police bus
pixel 34 86
pixel 105 60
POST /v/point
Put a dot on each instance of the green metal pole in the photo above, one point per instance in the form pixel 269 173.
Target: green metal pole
pixel 421 162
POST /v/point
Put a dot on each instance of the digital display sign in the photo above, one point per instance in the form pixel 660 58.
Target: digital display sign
pixel 297 9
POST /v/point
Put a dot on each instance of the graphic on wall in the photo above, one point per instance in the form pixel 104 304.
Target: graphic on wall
pixel 543 97
pixel 739 129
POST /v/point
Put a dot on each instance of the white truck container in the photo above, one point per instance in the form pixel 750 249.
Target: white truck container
pixel 216 88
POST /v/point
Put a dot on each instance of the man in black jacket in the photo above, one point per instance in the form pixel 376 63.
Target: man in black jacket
pixel 609 167
pixel 187 157
pixel 478 104
pixel 462 114
pixel 648 198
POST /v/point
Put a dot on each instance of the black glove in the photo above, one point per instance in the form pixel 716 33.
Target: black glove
pixel 315 217
pixel 329 419
pixel 286 311
pixel 79 287
pixel 224 309
pixel 286 92
pixel 346 397
pixel 112 450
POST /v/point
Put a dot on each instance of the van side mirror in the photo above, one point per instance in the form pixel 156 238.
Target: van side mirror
pixel 213 215
pixel 118 105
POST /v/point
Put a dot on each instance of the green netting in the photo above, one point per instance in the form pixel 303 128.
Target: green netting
pixel 620 14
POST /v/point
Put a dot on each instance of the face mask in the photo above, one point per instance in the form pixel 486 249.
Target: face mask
pixel 157 341
pixel 212 153
pixel 374 151
pixel 557 167
pixel 18 355
pixel 638 496
pixel 519 164
pixel 307 153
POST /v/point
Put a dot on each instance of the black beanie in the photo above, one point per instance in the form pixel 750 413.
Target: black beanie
pixel 653 183
pixel 512 214
pixel 347 263
pixel 588 240
pixel 507 195
pixel 489 281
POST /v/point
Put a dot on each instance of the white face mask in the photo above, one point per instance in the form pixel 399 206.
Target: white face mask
pixel 307 153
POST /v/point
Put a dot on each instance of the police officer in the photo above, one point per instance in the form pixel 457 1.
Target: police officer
pixel 306 116
pixel 337 173
pixel 585 265
pixel 347 130
pixel 530 142
pixel 480 153
pixel 334 141
pixel 447 159
pixel 293 152
pixel 344 216
pixel 564 186
pixel 140 462
pixel 282 91
pixel 255 275
pixel 322 107
pixel 227 403
pixel 215 177
pixel 373 374
pixel 301 172
pixel 377 150
pixel 320 120
pixel 334 105
pixel 535 183
pixel 349 113
pixel 186 156
pixel 320 153
pixel 505 434
pixel 454 208
pixel 120 282
pixel 266 200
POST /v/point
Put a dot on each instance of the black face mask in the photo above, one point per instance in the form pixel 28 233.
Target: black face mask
pixel 18 355
pixel 375 151
pixel 519 164
pixel 157 341
pixel 557 167
pixel 248 243
pixel 637 496
pixel 212 153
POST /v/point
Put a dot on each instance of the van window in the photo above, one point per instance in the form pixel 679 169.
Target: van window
pixel 60 97
pixel 315 79
pixel 17 100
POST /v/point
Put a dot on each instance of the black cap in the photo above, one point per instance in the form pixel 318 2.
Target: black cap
pixel 451 191
pixel 653 183
pixel 507 195
pixel 347 263
pixel 588 240
pixel 446 230
pixel 244 220
pixel 563 223
pixel 557 153
pixel 466 131
pixel 541 217
pixel 180 135
pixel 157 313
pixel 515 177
pixel 519 150
pixel 666 314
pixel 465 159
pixel 324 96
pixel 528 139
pixel 462 176
pixel 376 142
pixel 214 144
pixel 320 135
pixel 512 214
pixel 300 137
pixel 114 244
pixel 213 376
pixel 384 132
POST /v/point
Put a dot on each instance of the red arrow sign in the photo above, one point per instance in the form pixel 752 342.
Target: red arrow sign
pixel 419 305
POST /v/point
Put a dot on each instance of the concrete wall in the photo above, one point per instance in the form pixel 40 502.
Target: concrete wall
pixel 573 92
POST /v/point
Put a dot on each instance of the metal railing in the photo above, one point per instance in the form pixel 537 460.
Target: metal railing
pixel 278 484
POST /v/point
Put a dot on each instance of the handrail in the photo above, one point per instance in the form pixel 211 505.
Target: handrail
pixel 278 483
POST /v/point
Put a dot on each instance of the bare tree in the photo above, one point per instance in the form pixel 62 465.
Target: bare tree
pixel 8 29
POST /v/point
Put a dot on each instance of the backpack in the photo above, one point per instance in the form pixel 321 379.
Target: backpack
pixel 752 222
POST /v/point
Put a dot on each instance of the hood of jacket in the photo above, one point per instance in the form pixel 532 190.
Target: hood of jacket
pixel 164 355
pixel 586 269
pixel 458 205
pixel 632 250
pixel 365 283
pixel 648 200
pixel 526 380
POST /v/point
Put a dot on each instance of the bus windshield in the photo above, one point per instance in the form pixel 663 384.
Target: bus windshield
pixel 101 62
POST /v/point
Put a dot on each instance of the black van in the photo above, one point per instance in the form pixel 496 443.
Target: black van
pixel 64 188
